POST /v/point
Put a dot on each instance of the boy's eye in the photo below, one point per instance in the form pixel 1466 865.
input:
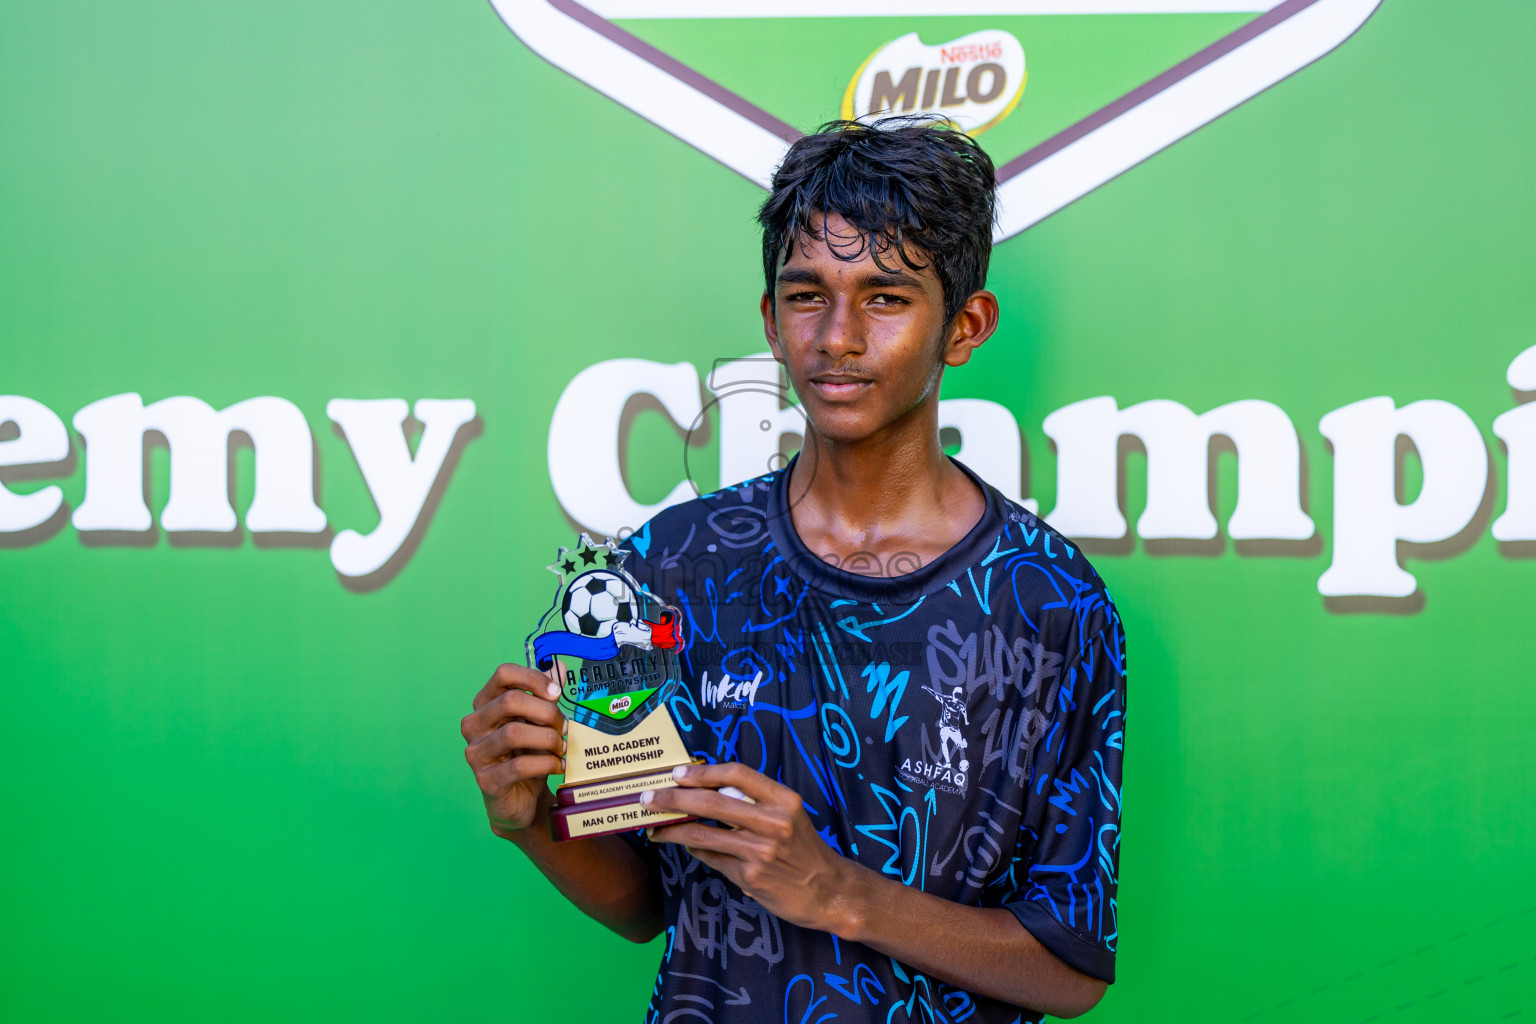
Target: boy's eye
pixel 890 300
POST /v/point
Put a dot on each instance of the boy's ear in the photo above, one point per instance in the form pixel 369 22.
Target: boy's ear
pixel 974 324
pixel 771 327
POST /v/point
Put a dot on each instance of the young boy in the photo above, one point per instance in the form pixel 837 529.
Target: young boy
pixel 932 752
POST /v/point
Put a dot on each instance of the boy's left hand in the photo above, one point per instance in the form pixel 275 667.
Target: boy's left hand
pixel 771 851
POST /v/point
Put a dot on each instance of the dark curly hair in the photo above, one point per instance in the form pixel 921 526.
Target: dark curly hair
pixel 909 184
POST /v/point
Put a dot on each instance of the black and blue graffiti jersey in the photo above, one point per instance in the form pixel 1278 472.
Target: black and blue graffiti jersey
pixel 957 728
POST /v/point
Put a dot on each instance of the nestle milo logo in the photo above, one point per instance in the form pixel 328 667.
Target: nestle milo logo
pixel 619 705
pixel 974 81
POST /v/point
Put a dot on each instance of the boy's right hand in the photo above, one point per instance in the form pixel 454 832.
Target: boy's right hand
pixel 514 743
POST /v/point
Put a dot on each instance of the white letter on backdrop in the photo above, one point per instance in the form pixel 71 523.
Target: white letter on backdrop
pixel 1517 429
pixel 198 438
pixel 1087 436
pixel 398 484
pixel 989 443
pixel 583 448
pixel 753 417
pixel 41 439
pixel 1367 520
pixel 114 465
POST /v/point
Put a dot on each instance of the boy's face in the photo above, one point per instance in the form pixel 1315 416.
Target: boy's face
pixel 865 346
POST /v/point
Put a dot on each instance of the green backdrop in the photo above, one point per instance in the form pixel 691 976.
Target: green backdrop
pixel 233 785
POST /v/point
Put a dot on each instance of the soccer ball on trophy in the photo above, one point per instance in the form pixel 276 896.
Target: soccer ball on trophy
pixel 595 601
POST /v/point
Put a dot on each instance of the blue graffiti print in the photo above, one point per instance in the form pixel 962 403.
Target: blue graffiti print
pixel 959 730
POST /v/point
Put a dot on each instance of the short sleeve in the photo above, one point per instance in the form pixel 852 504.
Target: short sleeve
pixel 1072 814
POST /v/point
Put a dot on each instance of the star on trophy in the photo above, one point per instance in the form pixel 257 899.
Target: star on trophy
pixel 612 646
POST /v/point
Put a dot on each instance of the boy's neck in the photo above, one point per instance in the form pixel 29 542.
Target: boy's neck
pixel 893 493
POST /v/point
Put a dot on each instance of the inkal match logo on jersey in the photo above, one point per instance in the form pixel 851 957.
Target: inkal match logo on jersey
pixel 613 647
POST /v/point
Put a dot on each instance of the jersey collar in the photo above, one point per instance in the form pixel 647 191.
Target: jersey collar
pixel 896 590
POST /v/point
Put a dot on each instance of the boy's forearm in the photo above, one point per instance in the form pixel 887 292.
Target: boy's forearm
pixel 603 877
pixel 984 950
pixel 770 849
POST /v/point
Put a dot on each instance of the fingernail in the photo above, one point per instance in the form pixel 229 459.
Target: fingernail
pixel 553 691
pixel 647 797
pixel 680 772
pixel 650 833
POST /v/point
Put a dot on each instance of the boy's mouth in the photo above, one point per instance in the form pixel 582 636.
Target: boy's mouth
pixel 839 385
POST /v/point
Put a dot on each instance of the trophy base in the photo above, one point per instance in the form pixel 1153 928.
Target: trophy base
pixel 600 808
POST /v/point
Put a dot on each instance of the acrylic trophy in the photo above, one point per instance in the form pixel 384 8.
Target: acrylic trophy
pixel 613 647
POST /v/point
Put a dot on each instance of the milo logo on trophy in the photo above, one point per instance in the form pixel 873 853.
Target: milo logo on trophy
pixel 613 647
